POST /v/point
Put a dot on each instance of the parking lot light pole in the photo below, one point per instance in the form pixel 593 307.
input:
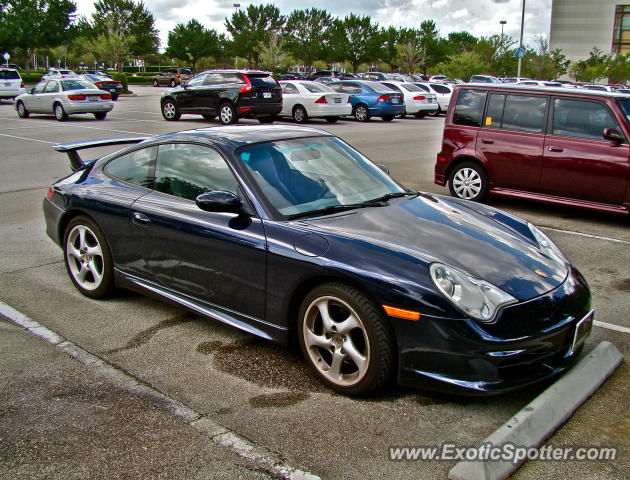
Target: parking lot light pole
pixel 520 45
pixel 236 7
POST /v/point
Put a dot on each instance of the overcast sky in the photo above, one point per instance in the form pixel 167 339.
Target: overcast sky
pixel 479 17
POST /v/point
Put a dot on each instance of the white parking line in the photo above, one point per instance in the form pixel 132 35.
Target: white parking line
pixel 117 131
pixel 588 235
pixel 611 326
pixel 260 456
pixel 24 138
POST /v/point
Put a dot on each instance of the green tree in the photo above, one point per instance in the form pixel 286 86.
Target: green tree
pixel 355 39
pixel 591 69
pixel 251 27
pixel 498 53
pixel 463 65
pixel 31 24
pixel 306 35
pixel 544 63
pixel 618 68
pixel 273 54
pixel 459 42
pixel 192 42
pixel 431 47
pixel 390 38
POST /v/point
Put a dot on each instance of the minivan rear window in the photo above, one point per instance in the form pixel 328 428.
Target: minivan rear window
pixel 469 107
pixel 9 75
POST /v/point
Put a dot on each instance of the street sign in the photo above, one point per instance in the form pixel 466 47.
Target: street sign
pixel 6 56
pixel 520 52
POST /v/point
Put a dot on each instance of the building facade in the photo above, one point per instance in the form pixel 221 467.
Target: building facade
pixel 579 25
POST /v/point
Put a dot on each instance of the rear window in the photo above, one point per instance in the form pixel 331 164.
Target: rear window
pixel 412 88
pixel 185 71
pixel 9 75
pixel 441 88
pixel 75 84
pixel 469 107
pixel 262 80
pixel 379 87
pixel 317 88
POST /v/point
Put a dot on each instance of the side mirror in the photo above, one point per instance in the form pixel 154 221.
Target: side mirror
pixel 613 135
pixel 383 167
pixel 219 201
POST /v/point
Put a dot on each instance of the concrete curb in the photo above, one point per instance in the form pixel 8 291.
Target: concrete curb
pixel 539 420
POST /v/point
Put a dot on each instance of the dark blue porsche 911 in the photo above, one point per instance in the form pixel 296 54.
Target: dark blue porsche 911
pixel 290 234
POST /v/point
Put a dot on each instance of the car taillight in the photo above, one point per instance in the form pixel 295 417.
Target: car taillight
pixel 179 75
pixel 349 99
pixel 118 83
pixel 382 98
pixel 50 194
pixel 321 99
pixel 105 96
pixel 420 97
pixel 99 83
pixel 76 97
pixel 248 85
pixel 22 85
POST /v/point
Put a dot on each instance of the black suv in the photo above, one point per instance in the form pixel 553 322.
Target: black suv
pixel 230 94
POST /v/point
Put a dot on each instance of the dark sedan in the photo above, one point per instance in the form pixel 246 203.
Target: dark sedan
pixel 290 234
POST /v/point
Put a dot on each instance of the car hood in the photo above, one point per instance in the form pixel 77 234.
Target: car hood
pixel 433 229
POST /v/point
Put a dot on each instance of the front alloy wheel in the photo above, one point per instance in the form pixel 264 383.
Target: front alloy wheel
pixel 169 111
pixel 468 181
pixel 345 339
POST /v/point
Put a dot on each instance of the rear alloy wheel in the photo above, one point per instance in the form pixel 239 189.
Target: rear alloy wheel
pixel 387 118
pixel 22 111
pixel 227 114
pixel 170 112
pixel 173 83
pixel 345 339
pixel 299 114
pixel 155 83
pixel 420 114
pixel 361 113
pixel 100 115
pixel 332 119
pixel 60 113
pixel 468 181
pixel 88 259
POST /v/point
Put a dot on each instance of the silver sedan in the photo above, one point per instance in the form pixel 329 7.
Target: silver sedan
pixel 64 97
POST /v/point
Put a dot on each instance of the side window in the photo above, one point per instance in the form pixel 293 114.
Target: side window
pixel 425 88
pixel 525 113
pixel 186 170
pixel 469 107
pixel 232 78
pixel 196 81
pixel 393 87
pixel 350 88
pixel 582 119
pixel 134 167
pixel 494 113
pixel 290 88
pixel 39 88
pixel 52 87
pixel 213 79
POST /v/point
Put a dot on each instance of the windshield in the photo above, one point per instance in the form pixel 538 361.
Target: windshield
pixel 76 85
pixel 306 175
pixel 624 103
pixel 379 87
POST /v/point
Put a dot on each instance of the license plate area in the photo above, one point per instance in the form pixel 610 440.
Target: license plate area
pixel 337 100
pixel 93 98
pixel 266 94
pixel 394 100
pixel 582 331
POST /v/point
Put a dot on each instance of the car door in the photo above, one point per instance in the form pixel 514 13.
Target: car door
pixel 47 99
pixel 290 97
pixel 192 98
pixel 216 258
pixel 33 101
pixel 511 139
pixel 578 163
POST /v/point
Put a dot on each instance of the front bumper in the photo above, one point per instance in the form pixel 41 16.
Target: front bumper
pixel 530 341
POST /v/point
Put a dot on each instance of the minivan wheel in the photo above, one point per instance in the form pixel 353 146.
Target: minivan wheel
pixel 227 114
pixel 169 111
pixel 361 113
pixel 299 114
pixel 345 339
pixel 468 181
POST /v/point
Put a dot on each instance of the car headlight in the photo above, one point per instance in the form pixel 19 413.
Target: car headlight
pixel 475 297
pixel 546 245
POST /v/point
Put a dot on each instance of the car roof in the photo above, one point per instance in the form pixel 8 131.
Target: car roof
pixel 538 88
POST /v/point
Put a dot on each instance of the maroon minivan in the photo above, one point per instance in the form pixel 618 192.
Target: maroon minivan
pixel 548 144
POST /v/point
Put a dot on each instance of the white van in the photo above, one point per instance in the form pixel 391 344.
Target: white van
pixel 11 84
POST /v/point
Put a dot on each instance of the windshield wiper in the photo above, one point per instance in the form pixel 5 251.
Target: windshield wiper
pixel 328 209
pixel 389 196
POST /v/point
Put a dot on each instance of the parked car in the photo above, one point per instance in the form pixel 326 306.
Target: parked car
pixel 64 97
pixel 539 83
pixel 375 76
pixel 324 73
pixel 484 79
pixel 513 79
pixel 11 84
pixel 230 94
pixel 172 77
pixel 114 87
pixel 442 93
pixel 325 80
pixel 601 88
pixel 291 235
pixel 557 145
pixel 417 102
pixel 371 99
pixel 291 76
pixel 437 78
pixel 302 100
pixel 57 74
pixel 100 73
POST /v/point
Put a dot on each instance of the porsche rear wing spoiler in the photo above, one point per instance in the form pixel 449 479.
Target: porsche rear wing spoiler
pixel 72 148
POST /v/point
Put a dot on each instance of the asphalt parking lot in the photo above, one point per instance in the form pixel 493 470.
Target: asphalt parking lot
pixel 261 391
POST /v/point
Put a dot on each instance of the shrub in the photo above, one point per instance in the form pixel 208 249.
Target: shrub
pixel 122 78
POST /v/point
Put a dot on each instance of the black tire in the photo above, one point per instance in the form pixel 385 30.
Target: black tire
pixel 387 118
pixel 267 119
pixel 60 113
pixel 402 115
pixel 208 116
pixel 173 83
pixel 420 114
pixel 100 115
pixel 371 338
pixel 361 113
pixel 86 257
pixel 227 114
pixel 469 181
pixel 21 110
pixel 115 96
pixel 300 114
pixel 170 112
pixel 156 83
pixel 332 119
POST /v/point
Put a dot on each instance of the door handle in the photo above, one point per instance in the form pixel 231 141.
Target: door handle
pixel 141 218
pixel 487 140
pixel 555 149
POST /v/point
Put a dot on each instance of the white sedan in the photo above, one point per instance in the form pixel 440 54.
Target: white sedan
pixel 417 102
pixel 442 94
pixel 303 99
pixel 57 74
